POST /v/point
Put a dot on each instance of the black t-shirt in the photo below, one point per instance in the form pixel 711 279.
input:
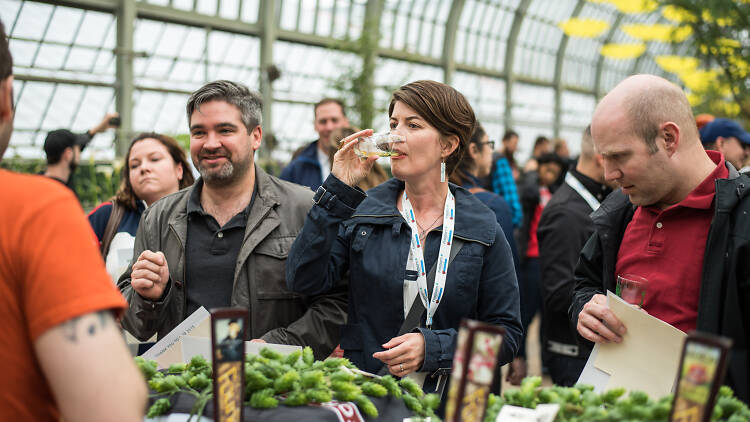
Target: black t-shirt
pixel 211 254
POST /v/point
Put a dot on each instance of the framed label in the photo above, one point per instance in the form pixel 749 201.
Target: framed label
pixel 478 345
pixel 228 327
pixel 701 372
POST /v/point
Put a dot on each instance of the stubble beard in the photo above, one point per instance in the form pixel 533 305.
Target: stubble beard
pixel 227 174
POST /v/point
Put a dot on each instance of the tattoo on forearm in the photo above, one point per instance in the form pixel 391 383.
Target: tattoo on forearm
pixel 92 324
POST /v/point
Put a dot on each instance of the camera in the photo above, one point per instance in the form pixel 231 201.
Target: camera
pixel 114 121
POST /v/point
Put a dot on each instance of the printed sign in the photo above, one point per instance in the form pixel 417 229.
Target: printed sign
pixel 228 352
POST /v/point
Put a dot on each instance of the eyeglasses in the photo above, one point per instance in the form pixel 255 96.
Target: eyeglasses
pixel 490 143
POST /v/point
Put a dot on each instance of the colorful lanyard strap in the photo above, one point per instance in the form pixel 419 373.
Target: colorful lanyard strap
pixel 417 254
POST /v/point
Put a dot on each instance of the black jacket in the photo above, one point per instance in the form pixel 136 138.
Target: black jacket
pixel 564 227
pixel 725 283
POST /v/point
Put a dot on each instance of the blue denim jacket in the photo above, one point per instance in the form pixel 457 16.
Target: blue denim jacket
pixel 365 236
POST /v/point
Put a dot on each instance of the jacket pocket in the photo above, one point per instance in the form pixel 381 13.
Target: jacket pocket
pixel 269 269
pixel 360 234
pixel 468 271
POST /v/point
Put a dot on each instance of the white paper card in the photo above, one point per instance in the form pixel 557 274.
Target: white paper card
pixel 192 346
pixel 592 375
pixel 168 350
pixel 510 413
pixel 193 337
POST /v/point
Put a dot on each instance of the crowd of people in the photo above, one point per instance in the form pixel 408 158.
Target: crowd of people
pixel 334 252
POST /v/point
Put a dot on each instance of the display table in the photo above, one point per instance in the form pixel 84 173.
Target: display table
pixel 389 409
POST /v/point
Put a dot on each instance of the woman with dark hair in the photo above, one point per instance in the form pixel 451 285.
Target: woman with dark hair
pixel 475 165
pixel 154 166
pixel 392 239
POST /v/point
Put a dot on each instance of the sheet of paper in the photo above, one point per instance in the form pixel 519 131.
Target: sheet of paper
pixel 649 355
pixel 192 346
pixel 172 340
pixel 542 413
pixel 592 375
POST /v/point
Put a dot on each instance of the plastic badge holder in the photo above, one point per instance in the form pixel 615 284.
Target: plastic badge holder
pixel 379 144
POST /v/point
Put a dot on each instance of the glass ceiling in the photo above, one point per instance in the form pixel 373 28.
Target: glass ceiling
pixel 508 57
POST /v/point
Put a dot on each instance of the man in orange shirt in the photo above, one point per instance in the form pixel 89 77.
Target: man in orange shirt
pixel 61 352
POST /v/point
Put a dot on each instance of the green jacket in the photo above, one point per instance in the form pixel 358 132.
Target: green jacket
pixel 276 314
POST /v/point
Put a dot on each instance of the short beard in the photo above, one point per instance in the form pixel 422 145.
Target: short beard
pixel 227 175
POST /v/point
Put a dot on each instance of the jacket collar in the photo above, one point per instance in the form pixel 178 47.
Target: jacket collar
pixel 310 154
pixel 262 218
pixel 728 192
pixel 474 221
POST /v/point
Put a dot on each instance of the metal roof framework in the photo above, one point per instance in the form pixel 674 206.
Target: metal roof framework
pixel 76 59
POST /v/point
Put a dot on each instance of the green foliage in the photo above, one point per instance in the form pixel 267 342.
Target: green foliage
pixel 581 403
pixel 272 378
pixel 713 23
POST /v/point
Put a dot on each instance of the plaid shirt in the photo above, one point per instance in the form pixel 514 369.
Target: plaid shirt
pixel 504 185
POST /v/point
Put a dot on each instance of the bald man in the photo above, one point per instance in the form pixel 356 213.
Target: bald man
pixel 679 219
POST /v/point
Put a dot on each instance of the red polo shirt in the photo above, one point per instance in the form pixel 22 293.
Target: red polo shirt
pixel 667 248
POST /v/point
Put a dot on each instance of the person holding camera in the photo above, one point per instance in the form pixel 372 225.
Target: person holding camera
pixel 63 149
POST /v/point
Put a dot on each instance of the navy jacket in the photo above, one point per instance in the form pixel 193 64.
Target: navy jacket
pixel 366 235
pixel 502 211
pixel 305 169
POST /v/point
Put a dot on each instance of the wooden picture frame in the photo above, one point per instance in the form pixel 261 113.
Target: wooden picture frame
pixel 703 365
pixel 228 332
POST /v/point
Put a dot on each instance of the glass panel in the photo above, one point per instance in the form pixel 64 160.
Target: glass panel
pixel 533 108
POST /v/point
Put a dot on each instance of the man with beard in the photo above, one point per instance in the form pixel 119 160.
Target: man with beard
pixel 224 241
pixel 63 149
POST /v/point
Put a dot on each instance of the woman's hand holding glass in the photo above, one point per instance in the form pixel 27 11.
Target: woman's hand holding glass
pixel 347 166
pixel 405 354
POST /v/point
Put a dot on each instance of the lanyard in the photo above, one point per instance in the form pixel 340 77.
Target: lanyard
pixel 585 194
pixel 417 255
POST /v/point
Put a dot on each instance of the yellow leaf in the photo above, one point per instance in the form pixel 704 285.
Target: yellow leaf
pixel 631 6
pixel 699 80
pixel 677 64
pixel 678 14
pixel 680 34
pixel 694 99
pixel 623 51
pixel 706 15
pixel 739 65
pixel 657 32
pixel 583 27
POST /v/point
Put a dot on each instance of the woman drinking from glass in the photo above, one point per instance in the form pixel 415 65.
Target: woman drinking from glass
pixel 390 239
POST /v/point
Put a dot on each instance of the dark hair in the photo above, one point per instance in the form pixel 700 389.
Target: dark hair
pixel 444 108
pixel 6 60
pixel 329 100
pixel 125 194
pixel 541 139
pixel 248 102
pixel 509 134
pixel 551 157
pixel 461 175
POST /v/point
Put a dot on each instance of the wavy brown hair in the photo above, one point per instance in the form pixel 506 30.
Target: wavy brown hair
pixel 444 108
pixel 125 195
